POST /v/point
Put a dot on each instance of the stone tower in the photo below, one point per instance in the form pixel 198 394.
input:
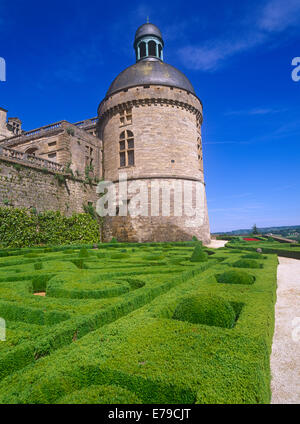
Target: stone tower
pixel 150 126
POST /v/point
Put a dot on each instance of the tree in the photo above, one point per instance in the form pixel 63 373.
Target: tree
pixel 254 229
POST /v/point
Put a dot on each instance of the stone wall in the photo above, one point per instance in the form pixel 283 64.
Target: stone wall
pixel 166 127
pixel 27 185
pixel 159 220
pixel 63 143
pixel 166 124
pixel 4 130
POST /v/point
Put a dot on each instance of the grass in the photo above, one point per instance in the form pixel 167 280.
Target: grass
pixel 116 325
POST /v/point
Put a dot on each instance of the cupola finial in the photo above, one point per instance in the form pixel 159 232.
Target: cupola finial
pixel 148 42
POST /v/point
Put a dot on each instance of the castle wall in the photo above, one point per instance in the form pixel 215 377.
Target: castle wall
pixel 63 143
pixel 4 131
pixel 190 221
pixel 166 125
pixel 25 185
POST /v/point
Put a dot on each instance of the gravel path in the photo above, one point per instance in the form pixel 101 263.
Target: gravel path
pixel 216 243
pixel 285 357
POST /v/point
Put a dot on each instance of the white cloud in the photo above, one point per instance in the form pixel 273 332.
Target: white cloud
pixel 278 15
pixel 209 57
pixel 274 17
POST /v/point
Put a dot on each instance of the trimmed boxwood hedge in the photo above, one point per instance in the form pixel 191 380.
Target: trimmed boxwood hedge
pixel 235 277
pixel 62 334
pixel 254 255
pixel 247 263
pixel 100 395
pixel 205 309
pixel 131 340
pixel 280 249
pixel 199 255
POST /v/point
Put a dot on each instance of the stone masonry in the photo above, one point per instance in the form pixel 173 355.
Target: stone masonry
pixel 148 127
pixel 36 186
pixel 166 126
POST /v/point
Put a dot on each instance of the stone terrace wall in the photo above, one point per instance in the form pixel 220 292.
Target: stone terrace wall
pixel 28 185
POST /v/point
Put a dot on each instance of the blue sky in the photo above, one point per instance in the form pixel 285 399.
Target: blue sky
pixel 62 56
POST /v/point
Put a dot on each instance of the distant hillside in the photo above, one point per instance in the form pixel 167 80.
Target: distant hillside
pixel 292 231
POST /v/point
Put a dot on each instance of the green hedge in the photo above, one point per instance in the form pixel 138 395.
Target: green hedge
pixel 131 340
pixel 235 277
pixel 100 395
pixel 205 309
pixel 247 263
pixel 287 253
pixel 10 311
pixel 22 228
pixel 199 255
pixel 63 333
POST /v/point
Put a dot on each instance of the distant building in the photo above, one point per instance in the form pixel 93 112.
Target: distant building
pixel 73 145
pixel 9 127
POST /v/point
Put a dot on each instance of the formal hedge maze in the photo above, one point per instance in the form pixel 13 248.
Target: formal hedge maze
pixel 133 323
pixel 289 250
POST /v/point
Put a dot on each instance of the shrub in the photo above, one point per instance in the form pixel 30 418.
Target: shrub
pixel 247 263
pixel 39 282
pixel 79 263
pixel 38 266
pixel 153 257
pixel 113 240
pixel 177 260
pixel 235 277
pixel 116 317
pixel 100 395
pixel 83 253
pixel 31 255
pixel 199 255
pixel 20 228
pixel 205 309
pixel 119 255
pixel 70 131
pixel 254 255
pixel 90 209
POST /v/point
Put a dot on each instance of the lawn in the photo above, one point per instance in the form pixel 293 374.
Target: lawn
pixel 133 323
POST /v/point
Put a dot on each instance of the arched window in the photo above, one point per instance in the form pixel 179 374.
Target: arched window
pixel 152 48
pixel 160 51
pixel 126 148
pixel 142 48
pixel 31 151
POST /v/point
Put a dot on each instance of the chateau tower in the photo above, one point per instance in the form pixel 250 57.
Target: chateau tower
pixel 150 126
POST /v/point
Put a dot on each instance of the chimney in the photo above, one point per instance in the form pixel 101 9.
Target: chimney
pixel 3 117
